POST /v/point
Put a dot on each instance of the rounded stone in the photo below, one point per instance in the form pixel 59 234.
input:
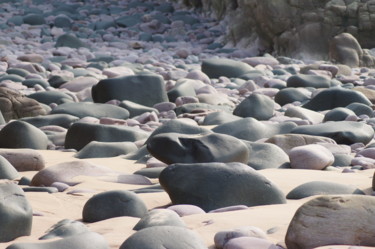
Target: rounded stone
pixel 63 120
pixel 291 94
pixel 24 159
pixel 218 118
pixel 49 97
pixel 135 109
pixel 223 237
pixel 257 106
pixel 68 40
pixel 311 156
pixel 7 171
pixel 304 80
pixel 249 242
pixel 186 209
pixel 361 109
pixel 114 203
pixel 338 114
pixel 215 68
pixel 159 217
pixel 96 149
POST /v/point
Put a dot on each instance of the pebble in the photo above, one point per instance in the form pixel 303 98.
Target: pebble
pixel 312 156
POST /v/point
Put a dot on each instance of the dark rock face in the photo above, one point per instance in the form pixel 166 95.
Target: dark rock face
pixel 216 185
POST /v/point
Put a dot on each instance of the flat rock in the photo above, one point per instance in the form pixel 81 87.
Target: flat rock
pixel 215 185
pixel 182 148
pixel 96 149
pixel 80 134
pixel 333 220
pixel 96 110
pixel 251 129
pixel 311 156
pixel 335 97
pixel 159 217
pixel 114 203
pixel 215 68
pixel 304 80
pixel 24 159
pixel 343 132
pixel 19 134
pixel 258 106
pixel 15 212
pixel 322 188
pixel 65 173
pixel 146 90
pixel 160 237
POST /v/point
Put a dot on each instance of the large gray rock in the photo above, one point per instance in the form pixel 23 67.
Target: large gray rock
pixel 333 220
pixel 215 185
pixel 112 204
pixel 7 171
pixel 80 134
pixel 160 237
pixel 145 89
pixel 215 68
pixel 16 214
pixel 258 106
pixel 182 148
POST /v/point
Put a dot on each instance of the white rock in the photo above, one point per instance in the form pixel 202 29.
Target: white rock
pixel 311 156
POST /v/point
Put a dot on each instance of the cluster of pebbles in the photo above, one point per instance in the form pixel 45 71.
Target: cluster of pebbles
pixel 153 82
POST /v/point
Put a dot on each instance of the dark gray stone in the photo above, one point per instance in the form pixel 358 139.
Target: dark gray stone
pixel 342 160
pixel 258 106
pixel 343 132
pixel 215 68
pixel 96 149
pixel 63 120
pixel 112 204
pixel 183 88
pixel 7 171
pixel 215 185
pixel 159 217
pixel 145 89
pixel 19 134
pixel 67 40
pixel 32 82
pixel 87 109
pixel 361 109
pixel 128 21
pixel 338 114
pixel 34 19
pixel 80 134
pixel 322 188
pixel 15 212
pixel 335 97
pixel 304 80
pixel 49 97
pixel 251 129
pixel 62 21
pixel 161 237
pixel 183 148
pixel 218 118
pixel 291 94
pixel 135 109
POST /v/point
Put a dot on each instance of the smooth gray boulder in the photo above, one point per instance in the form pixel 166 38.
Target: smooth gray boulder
pixel 304 80
pixel 333 220
pixel 216 185
pixel 215 68
pixel 16 214
pixel 7 171
pixel 258 106
pixel 161 237
pixel 183 148
pixel 159 217
pixel 96 149
pixel 114 203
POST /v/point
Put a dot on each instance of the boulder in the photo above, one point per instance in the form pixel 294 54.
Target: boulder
pixel 215 68
pixel 258 106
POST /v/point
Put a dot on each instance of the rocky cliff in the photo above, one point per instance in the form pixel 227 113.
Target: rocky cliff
pixel 299 29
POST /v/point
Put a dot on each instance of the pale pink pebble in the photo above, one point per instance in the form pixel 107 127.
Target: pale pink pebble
pixel 170 84
pixel 311 156
pixel 223 79
pixel 140 143
pixel 30 67
pixel 186 100
pixel 112 121
pixel 369 82
pixel 248 86
pixel 74 62
pixel 52 67
pixel 320 73
pixel 79 83
pixel 39 88
pixel 261 81
pixel 222 237
pixel 331 68
pixel 182 53
pixel 357 147
pixel 367 152
pixel 365 162
pixel 263 67
pixel 168 115
pixel 351 118
pixel 145 127
pixel 153 163
pixel 198 75
pixel 12 85
pixel 270 92
pixel 165 106
pixel 54 128
pixel 132 122
pixel 146 117
pixel 208 89
pixel 229 209
pixel 113 102
pixel 119 71
pixel 53 105
pixel 90 120
pixel 186 209
pixel 37 58
pixel 3 66
pixel 249 243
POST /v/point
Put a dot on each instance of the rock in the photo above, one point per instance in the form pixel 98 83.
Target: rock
pixel 311 156
pixel 260 159
pixel 135 109
pixel 343 132
pixel 335 97
pixel 96 149
pixel 159 217
pixel 181 89
pixel 24 159
pixel 304 114
pixel 322 188
pixel 251 129
pixel 304 80
pixel 79 83
pixel 67 40
pixel 65 173
pixel 96 110
pixel 315 223
pixel 338 114
pixel 291 94
pixel 15 212
pixel 33 82
pixel 62 21
pixel 80 134
pixel 194 184
pixel 49 190
pixel 369 93
pixel 258 60
pixel 14 105
pixel 215 68
pixel 361 109
pixel 63 120
pixel 289 141
pixel 146 90
pixel 186 209
pixel 223 237
pixel 201 108
pixel 218 118
pixel 342 160
pixel 170 237
pixel 19 134
pixel 49 97
pixel 114 203
pixel 82 240
pixel 65 228
pixel 7 171
pixel 257 106
pixel 34 19
pixel 246 242
pixel 182 148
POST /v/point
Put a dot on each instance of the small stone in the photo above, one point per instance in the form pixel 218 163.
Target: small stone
pixel 312 156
